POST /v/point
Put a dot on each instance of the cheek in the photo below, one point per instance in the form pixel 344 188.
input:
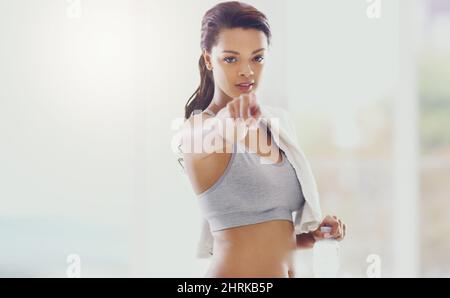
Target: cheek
pixel 225 80
pixel 225 77
pixel 259 69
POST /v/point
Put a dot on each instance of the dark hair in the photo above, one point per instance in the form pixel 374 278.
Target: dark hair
pixel 225 15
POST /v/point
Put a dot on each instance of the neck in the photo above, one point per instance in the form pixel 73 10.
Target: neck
pixel 219 101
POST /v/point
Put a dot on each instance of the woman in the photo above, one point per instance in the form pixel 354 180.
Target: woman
pixel 247 202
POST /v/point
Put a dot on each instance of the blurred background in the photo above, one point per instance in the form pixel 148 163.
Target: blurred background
pixel 90 91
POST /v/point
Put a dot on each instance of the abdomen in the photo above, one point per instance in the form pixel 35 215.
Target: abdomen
pixel 258 250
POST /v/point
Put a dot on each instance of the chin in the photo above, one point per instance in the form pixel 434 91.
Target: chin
pixel 236 93
pixel 239 93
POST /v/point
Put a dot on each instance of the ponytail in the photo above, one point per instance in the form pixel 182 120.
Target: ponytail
pixel 202 97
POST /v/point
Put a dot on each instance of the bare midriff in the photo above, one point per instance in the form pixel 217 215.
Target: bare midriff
pixel 258 250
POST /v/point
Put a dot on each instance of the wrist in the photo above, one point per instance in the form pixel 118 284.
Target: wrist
pixel 305 240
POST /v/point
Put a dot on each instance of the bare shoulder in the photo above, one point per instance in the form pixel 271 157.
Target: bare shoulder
pixel 203 167
pixel 198 138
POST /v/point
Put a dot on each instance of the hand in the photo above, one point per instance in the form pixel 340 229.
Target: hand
pixel 337 229
pixel 244 108
pixel 238 116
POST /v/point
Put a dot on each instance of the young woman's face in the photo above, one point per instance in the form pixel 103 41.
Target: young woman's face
pixel 238 57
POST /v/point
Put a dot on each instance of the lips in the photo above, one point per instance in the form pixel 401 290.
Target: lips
pixel 245 84
pixel 245 87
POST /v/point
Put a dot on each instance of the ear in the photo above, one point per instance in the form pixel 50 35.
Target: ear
pixel 207 58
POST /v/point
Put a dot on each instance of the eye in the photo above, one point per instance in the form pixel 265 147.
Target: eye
pixel 259 58
pixel 227 59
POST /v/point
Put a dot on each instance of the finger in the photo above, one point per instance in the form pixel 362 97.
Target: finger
pixel 335 231
pixel 328 219
pixel 252 99
pixel 340 234
pixel 231 110
pixel 337 227
pixel 244 103
pixel 342 231
pixel 255 112
pixel 237 108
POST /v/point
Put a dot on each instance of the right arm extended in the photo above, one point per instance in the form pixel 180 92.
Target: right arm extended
pixel 202 137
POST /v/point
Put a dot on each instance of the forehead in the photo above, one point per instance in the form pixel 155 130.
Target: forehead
pixel 244 41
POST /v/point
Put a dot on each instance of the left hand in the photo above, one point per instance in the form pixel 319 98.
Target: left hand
pixel 337 229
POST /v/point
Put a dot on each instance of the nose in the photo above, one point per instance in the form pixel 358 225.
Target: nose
pixel 246 72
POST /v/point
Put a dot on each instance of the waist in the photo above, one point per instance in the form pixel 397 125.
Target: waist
pixel 258 250
pixel 274 240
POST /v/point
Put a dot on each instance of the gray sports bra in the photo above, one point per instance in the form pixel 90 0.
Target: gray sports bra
pixel 251 191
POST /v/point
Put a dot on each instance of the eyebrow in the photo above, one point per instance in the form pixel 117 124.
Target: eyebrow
pixel 237 53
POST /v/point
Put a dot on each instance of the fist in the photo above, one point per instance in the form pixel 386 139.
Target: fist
pixel 337 229
pixel 244 108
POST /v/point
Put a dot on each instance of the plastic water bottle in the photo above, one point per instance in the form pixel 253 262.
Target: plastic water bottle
pixel 326 256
